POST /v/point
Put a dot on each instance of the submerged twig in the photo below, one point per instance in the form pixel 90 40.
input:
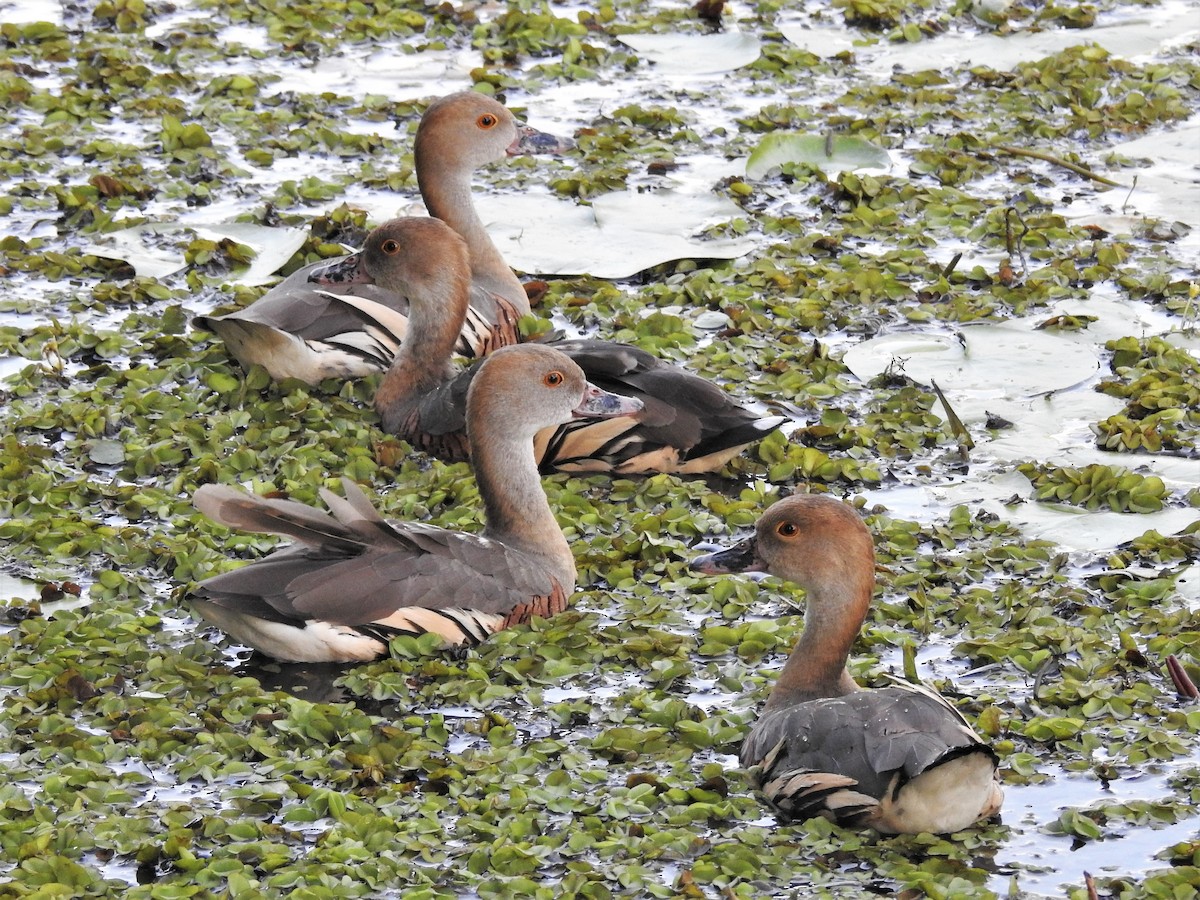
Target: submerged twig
pixel 1042 671
pixel 1016 246
pixel 1058 161
pixel 1125 202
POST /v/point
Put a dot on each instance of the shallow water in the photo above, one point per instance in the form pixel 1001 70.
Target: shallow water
pixel 1054 428
pixel 1045 864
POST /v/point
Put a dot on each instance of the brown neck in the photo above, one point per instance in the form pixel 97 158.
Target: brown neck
pixel 836 608
pixel 446 190
pixel 435 317
pixel 518 513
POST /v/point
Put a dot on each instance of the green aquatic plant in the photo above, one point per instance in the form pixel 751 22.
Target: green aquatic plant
pixel 1095 486
pixel 1160 384
pixel 585 755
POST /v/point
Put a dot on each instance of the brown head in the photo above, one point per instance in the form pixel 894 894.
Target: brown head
pixel 522 389
pixel 809 539
pixel 412 256
pixel 822 545
pixel 516 392
pixel 473 130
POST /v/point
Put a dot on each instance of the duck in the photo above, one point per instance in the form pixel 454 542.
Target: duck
pixel 899 759
pixel 352 580
pixel 348 331
pixel 687 425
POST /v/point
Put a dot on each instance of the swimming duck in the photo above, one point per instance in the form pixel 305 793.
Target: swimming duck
pixel 353 580
pixel 899 759
pixel 688 424
pixel 350 330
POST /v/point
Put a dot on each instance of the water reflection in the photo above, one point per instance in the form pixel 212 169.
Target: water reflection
pixel 1040 863
pixel 314 682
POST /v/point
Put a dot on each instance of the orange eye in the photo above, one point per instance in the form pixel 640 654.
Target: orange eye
pixel 787 529
pixel 553 379
pixel 391 248
pixel 487 120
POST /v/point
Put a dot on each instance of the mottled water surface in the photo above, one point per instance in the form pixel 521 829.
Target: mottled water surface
pixel 1026 236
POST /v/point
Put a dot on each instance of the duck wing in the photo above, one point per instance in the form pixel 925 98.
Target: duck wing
pixel 351 567
pixel 853 758
pixel 302 330
pixel 688 424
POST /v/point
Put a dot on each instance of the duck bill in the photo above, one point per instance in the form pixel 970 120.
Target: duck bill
pixel 599 404
pixel 347 270
pixel 531 141
pixel 741 557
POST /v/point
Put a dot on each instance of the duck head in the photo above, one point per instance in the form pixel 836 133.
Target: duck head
pixel 808 539
pixel 400 255
pixel 529 387
pixel 478 130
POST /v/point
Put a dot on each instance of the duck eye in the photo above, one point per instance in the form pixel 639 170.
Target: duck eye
pixel 390 247
pixel 553 379
pixel 786 529
pixel 487 120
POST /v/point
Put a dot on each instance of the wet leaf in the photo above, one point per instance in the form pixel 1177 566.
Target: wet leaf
pixel 829 153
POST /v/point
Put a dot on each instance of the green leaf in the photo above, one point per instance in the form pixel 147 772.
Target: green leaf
pixel 829 153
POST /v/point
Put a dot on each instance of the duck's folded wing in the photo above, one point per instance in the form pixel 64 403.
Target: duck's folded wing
pixel 421 566
pixel 914 729
pixel 846 756
pixel 352 567
pixel 434 421
pixel 311 335
pixel 308 311
pixel 688 424
pixel 443 410
pixel 491 323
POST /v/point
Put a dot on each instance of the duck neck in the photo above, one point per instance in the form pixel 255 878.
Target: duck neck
pixel 435 317
pixel 446 191
pixel 836 609
pixel 518 513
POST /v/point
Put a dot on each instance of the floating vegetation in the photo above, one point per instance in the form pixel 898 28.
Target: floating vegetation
pixel 591 755
pixel 1096 486
pixel 1160 384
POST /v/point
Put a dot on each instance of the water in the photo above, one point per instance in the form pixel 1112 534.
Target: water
pixel 1042 863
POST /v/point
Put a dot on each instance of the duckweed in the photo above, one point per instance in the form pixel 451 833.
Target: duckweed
pixel 588 755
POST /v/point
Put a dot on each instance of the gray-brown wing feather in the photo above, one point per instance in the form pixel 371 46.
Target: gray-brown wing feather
pixel 357 319
pixel 869 737
pixel 351 569
pixel 435 420
pixel 300 308
pixel 681 410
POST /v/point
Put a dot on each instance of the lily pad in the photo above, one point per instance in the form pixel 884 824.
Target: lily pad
pixel 1169 187
pixel 824 40
pixel 830 153
pixel 619 235
pixel 22 12
pixel 150 249
pixel 12 587
pixel 1009 496
pixel 106 453
pixel 10 365
pixel 367 70
pixel 1187 585
pixel 695 54
pixel 156 250
pixel 1001 360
